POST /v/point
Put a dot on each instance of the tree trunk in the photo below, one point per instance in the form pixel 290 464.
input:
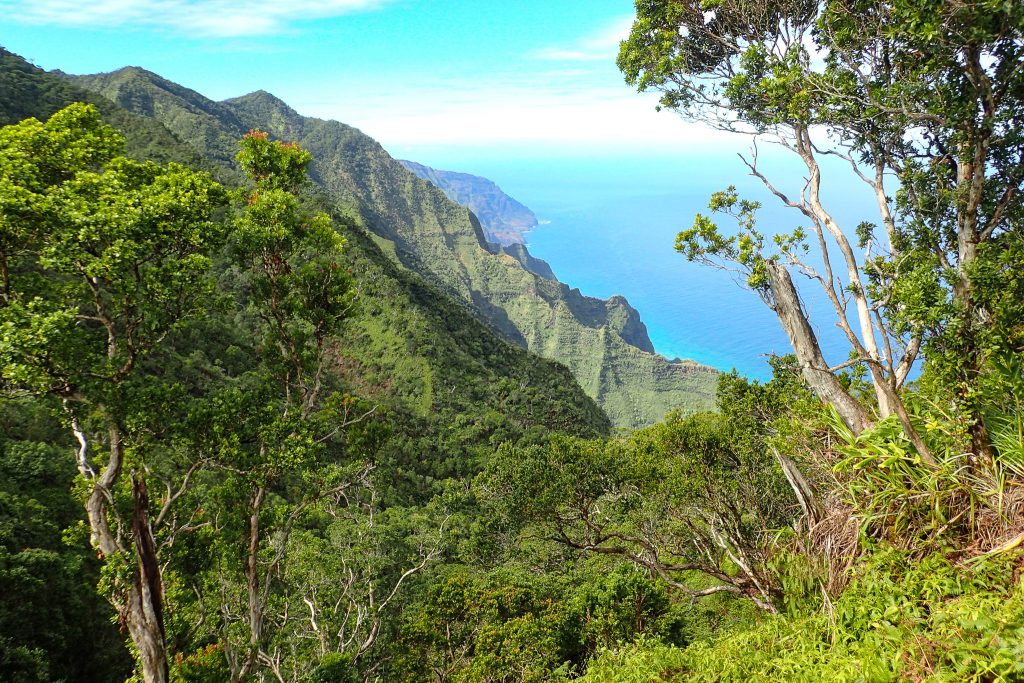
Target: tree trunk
pixel 981 440
pixel 145 600
pixel 971 170
pixel 801 488
pixel 805 149
pixel 140 606
pixel 253 588
pixel 786 303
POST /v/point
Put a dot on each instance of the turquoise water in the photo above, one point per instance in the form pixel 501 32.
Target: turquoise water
pixel 609 224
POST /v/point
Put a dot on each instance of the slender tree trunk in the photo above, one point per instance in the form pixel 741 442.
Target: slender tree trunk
pixel 786 302
pixel 5 277
pixel 801 488
pixel 974 161
pixel 252 570
pixel 816 371
pixel 967 253
pixel 867 330
pixel 981 440
pixel 253 587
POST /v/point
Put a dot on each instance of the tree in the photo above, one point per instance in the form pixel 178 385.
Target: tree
pixel 924 99
pixel 695 501
pixel 299 576
pixel 274 430
pixel 101 259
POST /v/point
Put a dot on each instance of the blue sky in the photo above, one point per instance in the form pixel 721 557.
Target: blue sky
pixel 410 73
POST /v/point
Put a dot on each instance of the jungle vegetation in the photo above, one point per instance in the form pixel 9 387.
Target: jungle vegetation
pixel 240 443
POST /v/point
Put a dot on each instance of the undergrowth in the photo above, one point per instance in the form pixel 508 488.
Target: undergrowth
pixel 927 620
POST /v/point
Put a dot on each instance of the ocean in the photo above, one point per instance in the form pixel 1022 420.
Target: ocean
pixel 609 222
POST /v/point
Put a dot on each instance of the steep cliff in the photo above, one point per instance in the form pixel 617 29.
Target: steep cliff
pixel 503 218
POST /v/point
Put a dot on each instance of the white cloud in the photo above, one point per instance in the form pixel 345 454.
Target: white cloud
pixel 205 18
pixel 512 111
pixel 599 45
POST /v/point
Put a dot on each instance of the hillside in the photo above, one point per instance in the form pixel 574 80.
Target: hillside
pixel 503 218
pixel 443 388
pixel 26 90
pixel 413 348
pixel 603 343
pixel 270 408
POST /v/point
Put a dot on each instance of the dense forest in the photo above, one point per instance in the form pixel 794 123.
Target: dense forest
pixel 250 430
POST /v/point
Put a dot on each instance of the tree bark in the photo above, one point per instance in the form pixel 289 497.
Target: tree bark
pixel 805 149
pixel 801 488
pixel 140 605
pixel 786 302
pixel 145 600
pixel 981 440
pixel 253 588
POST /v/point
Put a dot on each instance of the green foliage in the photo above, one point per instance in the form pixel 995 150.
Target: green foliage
pixel 48 602
pixel 508 623
pixel 477 628
pixel 900 496
pixel 273 164
pixel 746 250
pixel 101 255
pixel 998 288
pixel 696 498
pixel 928 620
pixel 206 665
pixel 334 668
pixel 101 258
pixel 675 41
pixel 272 432
pixel 960 500
pixel 1002 391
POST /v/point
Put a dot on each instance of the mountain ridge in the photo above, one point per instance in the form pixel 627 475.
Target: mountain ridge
pixel 603 343
pixel 412 346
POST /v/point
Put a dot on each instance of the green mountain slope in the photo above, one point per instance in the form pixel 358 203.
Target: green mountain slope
pixel 412 347
pixel 26 90
pixel 603 343
pixel 504 219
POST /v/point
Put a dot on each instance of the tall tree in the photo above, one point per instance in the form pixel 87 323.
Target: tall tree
pixel 299 296
pixel 278 435
pixel 101 259
pixel 924 99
